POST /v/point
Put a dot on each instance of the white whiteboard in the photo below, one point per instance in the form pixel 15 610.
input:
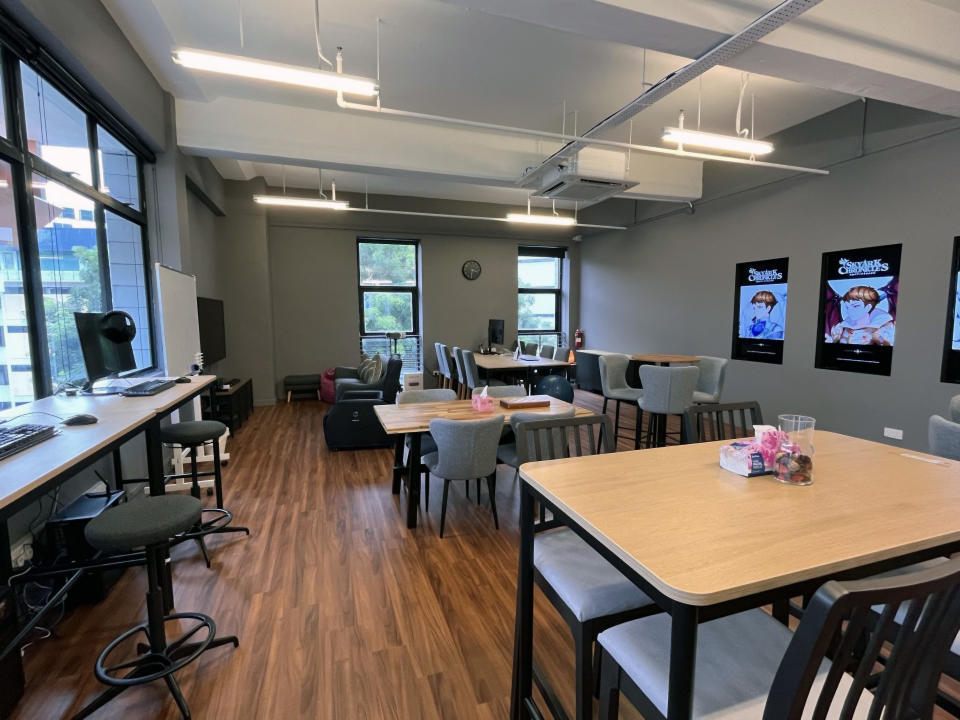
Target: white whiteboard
pixel 179 325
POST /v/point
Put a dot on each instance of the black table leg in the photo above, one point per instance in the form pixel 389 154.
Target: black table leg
pixel 413 480
pixel 157 488
pixel 398 464
pixel 523 631
pixel 683 659
pixel 6 561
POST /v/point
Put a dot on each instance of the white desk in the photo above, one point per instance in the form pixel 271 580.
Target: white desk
pixel 28 474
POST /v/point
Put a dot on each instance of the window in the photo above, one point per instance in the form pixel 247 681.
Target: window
pixel 119 174
pixel 389 289
pixel 56 128
pixel 15 348
pixel 539 294
pixel 128 287
pixel 73 258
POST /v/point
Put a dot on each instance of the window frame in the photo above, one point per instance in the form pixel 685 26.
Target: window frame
pixel 412 290
pixel 559 254
pixel 17 46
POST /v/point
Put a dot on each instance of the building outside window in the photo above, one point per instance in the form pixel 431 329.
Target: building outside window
pixel 540 295
pixel 76 243
pixel 389 293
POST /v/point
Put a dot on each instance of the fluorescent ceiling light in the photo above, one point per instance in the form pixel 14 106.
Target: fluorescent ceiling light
pixel 731 143
pixel 542 219
pixel 304 202
pixel 274 72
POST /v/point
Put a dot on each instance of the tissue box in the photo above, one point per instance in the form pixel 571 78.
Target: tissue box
pixel 482 403
pixel 743 458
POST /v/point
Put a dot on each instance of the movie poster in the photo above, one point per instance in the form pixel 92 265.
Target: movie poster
pixel 858 309
pixel 760 311
pixel 950 371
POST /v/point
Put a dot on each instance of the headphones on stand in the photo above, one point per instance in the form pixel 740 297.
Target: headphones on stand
pixel 118 326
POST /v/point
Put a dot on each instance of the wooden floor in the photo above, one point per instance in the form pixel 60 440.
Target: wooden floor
pixel 341 611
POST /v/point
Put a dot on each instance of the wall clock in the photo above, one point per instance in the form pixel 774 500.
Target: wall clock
pixel 471 269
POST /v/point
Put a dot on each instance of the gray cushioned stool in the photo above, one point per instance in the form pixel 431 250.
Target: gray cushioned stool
pixel 301 384
pixel 150 523
pixel 192 435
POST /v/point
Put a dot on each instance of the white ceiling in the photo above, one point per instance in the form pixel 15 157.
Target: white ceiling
pixel 502 63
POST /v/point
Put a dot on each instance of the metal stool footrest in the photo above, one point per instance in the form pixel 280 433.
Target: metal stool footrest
pixel 154 665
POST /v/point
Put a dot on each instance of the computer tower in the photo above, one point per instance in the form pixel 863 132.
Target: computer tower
pixel 63 539
pixel 11 667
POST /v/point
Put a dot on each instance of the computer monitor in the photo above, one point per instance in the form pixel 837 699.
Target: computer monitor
pixel 102 357
pixel 495 333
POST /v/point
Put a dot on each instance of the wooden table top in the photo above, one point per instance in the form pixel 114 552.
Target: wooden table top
pixel 506 362
pixel 658 358
pixel 117 415
pixel 702 535
pixel 416 417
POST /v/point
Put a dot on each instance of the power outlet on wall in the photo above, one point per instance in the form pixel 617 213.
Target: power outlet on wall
pixel 21 551
pixel 893 433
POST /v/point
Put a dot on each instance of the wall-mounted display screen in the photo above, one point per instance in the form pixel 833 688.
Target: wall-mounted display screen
pixel 950 371
pixel 859 291
pixel 760 311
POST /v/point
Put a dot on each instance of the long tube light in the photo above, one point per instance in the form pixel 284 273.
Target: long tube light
pixel 562 220
pixel 729 143
pixel 303 202
pixel 251 68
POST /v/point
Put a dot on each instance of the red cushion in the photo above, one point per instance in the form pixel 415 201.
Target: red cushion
pixel 327 391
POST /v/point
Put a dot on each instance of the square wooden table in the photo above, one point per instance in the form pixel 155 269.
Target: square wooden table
pixel 703 542
pixel 412 419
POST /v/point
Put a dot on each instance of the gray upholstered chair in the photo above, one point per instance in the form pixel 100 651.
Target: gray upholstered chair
pixel 471 373
pixel 461 374
pixel 750 666
pixel 590 594
pixel 508 454
pixel 666 391
pixel 528 348
pixel 944 437
pixel 443 366
pixel 427 445
pixel 546 351
pixel 561 353
pixel 955 408
pixel 713 371
pixel 466 450
pixel 505 391
pixel 613 380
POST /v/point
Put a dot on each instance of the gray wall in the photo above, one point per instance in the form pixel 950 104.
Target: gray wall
pixel 667 285
pixel 203 245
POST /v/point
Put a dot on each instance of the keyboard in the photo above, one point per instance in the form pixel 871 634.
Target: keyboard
pixel 15 439
pixel 150 387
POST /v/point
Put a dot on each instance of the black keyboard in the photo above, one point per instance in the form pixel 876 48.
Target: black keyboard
pixel 150 387
pixel 15 439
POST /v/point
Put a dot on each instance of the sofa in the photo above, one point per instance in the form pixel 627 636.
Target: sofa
pixel 346 379
pixel 352 422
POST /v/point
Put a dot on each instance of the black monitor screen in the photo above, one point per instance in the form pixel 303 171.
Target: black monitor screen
pixel 213 339
pixel 495 332
pixel 102 357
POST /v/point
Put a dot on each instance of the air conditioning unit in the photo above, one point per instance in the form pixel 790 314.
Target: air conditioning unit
pixel 598 174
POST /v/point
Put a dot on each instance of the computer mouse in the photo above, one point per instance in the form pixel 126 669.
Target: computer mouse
pixel 182 379
pixel 81 419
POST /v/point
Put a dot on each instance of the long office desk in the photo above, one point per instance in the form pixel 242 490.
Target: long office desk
pixel 507 364
pixel 30 474
pixel 703 542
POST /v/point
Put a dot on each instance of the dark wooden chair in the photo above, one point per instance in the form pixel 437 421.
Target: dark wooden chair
pixel 826 667
pixel 588 592
pixel 705 423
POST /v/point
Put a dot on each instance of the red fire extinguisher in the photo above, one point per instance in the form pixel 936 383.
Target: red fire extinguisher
pixel 578 339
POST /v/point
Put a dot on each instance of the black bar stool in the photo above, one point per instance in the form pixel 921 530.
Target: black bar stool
pixel 192 435
pixel 150 523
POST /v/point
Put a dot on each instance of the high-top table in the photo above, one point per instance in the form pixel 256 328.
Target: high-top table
pixel 704 543
pixel 408 421
pixel 506 363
